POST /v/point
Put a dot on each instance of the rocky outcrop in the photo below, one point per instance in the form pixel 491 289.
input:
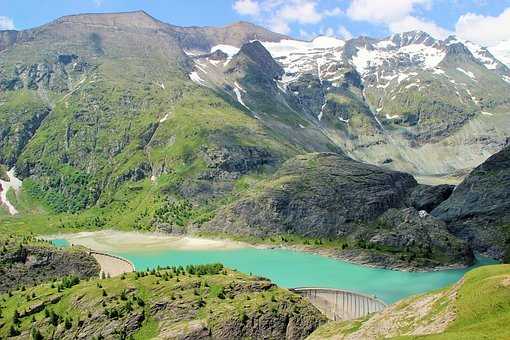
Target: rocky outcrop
pixel 316 195
pixel 22 265
pixel 424 240
pixel 254 55
pixel 479 208
pixel 427 197
pixel 235 160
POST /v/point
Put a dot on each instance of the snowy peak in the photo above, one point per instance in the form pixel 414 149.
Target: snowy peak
pixel 412 38
pixel 502 52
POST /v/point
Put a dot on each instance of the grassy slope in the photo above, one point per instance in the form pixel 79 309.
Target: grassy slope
pixel 481 307
pixel 209 297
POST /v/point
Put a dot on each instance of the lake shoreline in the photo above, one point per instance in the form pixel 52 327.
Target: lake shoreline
pixel 115 241
pixel 360 258
pixel 108 241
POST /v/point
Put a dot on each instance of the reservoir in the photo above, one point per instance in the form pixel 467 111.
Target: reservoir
pixel 287 268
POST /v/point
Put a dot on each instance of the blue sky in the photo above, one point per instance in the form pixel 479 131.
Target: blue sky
pixel 484 21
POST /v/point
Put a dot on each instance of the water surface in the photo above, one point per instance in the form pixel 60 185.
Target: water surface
pixel 299 269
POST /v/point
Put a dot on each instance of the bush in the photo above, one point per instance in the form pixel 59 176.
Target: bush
pixel 204 269
pixel 36 335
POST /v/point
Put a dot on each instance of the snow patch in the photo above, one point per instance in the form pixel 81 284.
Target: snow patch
pixel 392 116
pixel 346 121
pixel 502 52
pixel 487 113
pixel 227 49
pixel 481 54
pixel 238 90
pixel 385 44
pixel 13 183
pixel 287 47
pixel 164 119
pixel 196 78
pixel 467 73
pixel 191 53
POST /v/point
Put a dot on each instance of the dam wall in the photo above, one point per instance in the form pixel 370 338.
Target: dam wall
pixel 339 304
pixel 112 265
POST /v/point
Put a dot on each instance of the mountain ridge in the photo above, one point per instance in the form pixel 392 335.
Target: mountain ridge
pixel 164 128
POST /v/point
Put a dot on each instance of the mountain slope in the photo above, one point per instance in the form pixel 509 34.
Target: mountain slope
pixel 331 196
pixel 393 101
pixel 92 102
pixel 459 312
pixel 198 302
pixel 479 208
pixel 119 120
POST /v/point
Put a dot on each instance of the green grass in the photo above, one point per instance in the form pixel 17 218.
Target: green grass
pixel 196 288
pixel 481 306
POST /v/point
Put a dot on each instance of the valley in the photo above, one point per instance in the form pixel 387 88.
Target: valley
pixel 228 165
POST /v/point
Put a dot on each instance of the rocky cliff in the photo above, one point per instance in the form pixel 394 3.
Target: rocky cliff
pixel 479 208
pixel 27 262
pixel 332 196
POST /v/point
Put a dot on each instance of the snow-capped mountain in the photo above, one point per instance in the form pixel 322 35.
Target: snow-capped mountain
pixel 405 92
pixel 502 52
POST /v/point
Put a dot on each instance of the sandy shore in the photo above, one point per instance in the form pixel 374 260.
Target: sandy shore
pixel 121 241
pixel 113 266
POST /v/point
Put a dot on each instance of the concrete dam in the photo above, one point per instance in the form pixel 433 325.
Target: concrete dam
pixel 339 304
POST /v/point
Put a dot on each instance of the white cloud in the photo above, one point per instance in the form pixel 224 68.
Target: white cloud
pixel 397 15
pixel 279 25
pixel 328 32
pixel 411 23
pixel 247 7
pixel 333 12
pixel 6 23
pixel 344 33
pixel 300 11
pixel 484 30
pixel 383 11
pixel 278 15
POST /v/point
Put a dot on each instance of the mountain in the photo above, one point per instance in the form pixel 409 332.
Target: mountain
pixel 456 312
pixel 364 206
pixel 408 102
pixel 478 210
pixel 122 121
pixel 502 52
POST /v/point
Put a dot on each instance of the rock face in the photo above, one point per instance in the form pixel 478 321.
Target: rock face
pixel 426 197
pixel 32 264
pixel 424 238
pixel 316 195
pixel 479 208
pixel 326 195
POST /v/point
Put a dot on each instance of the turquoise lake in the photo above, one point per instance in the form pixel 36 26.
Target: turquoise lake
pixel 299 269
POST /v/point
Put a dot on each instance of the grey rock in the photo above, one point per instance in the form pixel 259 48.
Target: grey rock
pixel 427 197
pixel 316 195
pixel 479 208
